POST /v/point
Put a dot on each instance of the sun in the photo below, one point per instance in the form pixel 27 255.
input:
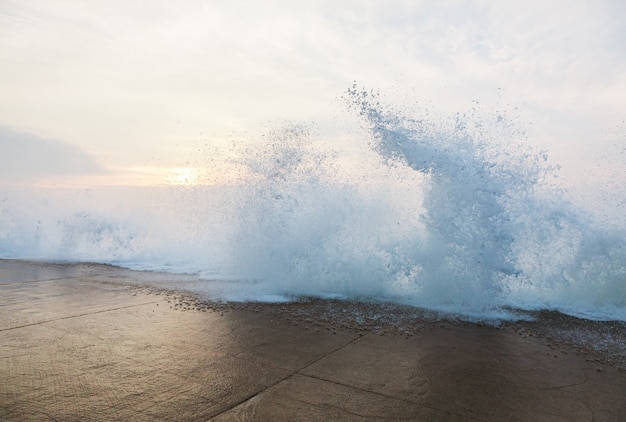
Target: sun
pixel 185 176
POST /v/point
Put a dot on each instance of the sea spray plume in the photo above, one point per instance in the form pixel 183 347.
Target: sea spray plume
pixel 286 211
pixel 497 235
pixel 468 214
pixel 302 230
pixel 446 214
pixel 65 225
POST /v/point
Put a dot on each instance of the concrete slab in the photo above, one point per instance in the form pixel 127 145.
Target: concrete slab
pixel 319 399
pixel 83 342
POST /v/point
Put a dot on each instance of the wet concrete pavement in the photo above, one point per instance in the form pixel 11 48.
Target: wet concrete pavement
pixel 77 343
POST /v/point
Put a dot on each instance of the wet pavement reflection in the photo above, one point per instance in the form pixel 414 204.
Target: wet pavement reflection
pixel 77 342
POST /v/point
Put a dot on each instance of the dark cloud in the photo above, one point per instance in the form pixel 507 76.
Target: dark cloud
pixel 27 156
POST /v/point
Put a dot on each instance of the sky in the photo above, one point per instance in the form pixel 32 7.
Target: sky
pixel 124 91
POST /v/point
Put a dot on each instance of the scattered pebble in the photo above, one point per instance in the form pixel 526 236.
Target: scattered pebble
pixel 600 342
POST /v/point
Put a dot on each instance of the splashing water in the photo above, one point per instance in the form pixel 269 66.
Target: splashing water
pixel 444 214
pixel 496 235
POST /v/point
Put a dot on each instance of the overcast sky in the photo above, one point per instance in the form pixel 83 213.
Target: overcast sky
pixel 131 83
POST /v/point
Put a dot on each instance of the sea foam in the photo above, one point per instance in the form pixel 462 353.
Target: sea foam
pixel 451 214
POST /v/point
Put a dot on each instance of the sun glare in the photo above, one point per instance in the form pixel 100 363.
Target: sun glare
pixel 183 176
pixel 146 176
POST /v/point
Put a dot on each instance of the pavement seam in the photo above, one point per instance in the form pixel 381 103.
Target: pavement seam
pixel 9 283
pixel 76 316
pixel 285 378
pixel 407 400
pixel 558 387
pixel 354 340
pixel 387 396
pixel 299 372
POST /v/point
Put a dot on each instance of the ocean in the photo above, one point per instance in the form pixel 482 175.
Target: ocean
pixel 455 214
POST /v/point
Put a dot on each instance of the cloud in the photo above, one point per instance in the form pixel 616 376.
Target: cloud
pixel 24 156
pixel 140 82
